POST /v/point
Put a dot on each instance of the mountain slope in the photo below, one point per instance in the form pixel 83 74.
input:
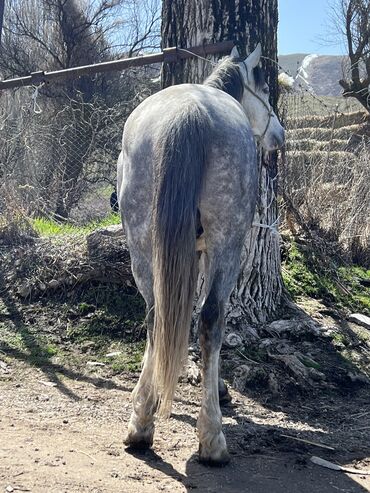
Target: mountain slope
pixel 320 74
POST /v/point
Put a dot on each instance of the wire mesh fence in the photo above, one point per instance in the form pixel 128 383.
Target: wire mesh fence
pixel 58 158
pixel 324 171
pixel 58 152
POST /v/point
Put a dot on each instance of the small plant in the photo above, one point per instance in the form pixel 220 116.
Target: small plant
pixel 307 273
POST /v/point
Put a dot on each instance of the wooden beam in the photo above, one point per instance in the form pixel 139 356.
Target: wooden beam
pixel 169 55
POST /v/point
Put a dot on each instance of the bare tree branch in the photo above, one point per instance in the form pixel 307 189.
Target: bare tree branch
pixel 355 18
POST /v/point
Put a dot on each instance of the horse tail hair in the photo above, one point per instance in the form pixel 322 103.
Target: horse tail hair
pixel 179 170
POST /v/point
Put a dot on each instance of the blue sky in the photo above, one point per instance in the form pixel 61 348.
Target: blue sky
pixel 301 25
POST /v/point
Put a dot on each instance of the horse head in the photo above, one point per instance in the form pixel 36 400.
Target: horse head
pixel 255 101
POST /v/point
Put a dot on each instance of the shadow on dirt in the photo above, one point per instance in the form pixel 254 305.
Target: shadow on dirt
pixel 280 468
pixel 38 355
pixel 333 412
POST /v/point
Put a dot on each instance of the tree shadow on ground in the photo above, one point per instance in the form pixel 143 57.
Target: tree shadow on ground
pixel 251 443
pixel 36 354
pixel 329 413
pixel 279 470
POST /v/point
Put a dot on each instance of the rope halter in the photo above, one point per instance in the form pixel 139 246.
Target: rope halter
pixel 269 109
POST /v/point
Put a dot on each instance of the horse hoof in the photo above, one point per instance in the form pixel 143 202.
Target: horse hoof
pixel 224 398
pixel 138 441
pixel 217 460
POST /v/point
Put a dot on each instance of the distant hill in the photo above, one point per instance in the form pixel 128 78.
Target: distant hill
pixel 317 73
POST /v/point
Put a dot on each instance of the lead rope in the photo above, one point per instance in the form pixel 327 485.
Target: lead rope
pixel 269 109
pixel 271 227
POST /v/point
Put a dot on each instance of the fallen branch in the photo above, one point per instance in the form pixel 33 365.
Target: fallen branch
pixel 316 444
pixel 335 467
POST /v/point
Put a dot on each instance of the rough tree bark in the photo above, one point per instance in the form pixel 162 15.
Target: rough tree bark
pixel 257 295
pixel 2 7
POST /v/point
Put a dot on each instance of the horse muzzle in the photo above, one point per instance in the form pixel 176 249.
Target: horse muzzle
pixel 275 140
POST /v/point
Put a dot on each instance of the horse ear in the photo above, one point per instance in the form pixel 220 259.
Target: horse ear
pixel 234 52
pixel 254 58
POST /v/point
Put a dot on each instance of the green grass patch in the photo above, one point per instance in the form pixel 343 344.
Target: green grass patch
pixel 253 353
pixel 49 227
pixel 103 315
pixel 130 358
pixel 310 363
pixel 306 274
pixel 29 346
pixel 340 339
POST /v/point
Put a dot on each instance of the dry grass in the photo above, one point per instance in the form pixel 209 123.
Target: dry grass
pixel 15 227
pixel 321 133
pixel 325 179
pixel 335 120
pixel 317 145
pixel 333 197
pixel 303 167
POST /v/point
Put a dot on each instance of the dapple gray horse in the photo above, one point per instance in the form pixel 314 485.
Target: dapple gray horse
pixel 188 166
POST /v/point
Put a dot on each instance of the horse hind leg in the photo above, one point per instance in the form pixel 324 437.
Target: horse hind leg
pixel 141 426
pixel 212 443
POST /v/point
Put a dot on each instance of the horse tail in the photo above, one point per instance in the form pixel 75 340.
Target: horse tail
pixel 180 167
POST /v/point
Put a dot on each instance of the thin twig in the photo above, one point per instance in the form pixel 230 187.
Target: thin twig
pixel 87 455
pixel 361 428
pixel 360 415
pixel 246 357
pixel 316 444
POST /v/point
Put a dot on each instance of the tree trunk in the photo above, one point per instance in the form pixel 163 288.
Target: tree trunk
pixel 184 24
pixel 2 7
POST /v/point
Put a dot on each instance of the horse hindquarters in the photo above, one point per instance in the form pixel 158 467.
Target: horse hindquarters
pixel 169 241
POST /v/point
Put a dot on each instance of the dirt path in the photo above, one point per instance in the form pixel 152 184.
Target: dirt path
pixel 67 438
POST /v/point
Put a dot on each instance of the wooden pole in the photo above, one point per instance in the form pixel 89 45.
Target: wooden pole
pixel 168 55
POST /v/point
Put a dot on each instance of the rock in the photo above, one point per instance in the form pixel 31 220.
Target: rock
pixel 329 331
pixel 113 354
pixel 87 346
pixel 54 284
pixel 360 319
pixel 233 340
pixel 193 374
pixel 251 377
pixel 293 328
pixel 25 290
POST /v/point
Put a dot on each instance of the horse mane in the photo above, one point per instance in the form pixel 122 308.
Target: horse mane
pixel 227 77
